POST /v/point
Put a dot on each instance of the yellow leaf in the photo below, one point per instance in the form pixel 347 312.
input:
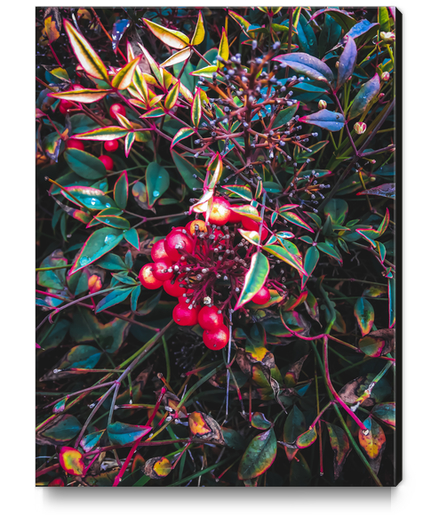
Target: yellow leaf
pixel 199 34
pixel 51 29
pixel 178 57
pixel 85 96
pixel 85 54
pixel 124 77
pixel 223 50
pixel 172 38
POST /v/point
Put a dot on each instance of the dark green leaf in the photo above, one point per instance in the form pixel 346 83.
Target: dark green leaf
pixel 157 179
pixel 187 171
pixel 259 455
pixel 113 298
pixel 311 259
pixel 85 164
pixel 121 190
pixel 123 434
pixel 365 96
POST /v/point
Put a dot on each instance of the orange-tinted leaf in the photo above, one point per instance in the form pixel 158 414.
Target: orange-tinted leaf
pixel 364 313
pixel 204 427
pixel 85 54
pixel 306 439
pixel 259 455
pixel 157 468
pixel 373 441
pixel 71 461
pixel 52 23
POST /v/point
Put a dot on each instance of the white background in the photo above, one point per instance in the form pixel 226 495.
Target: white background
pixel 17 229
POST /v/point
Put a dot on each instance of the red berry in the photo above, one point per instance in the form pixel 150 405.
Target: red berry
pixel 235 218
pixel 176 242
pixel 185 316
pixel 117 108
pixel 174 289
pixel 111 146
pixel 146 276
pixel 216 339
pixel 210 318
pixel 158 251
pixel 251 225
pixel 262 296
pixel 108 162
pixel 160 270
pixel 220 211
pixel 64 106
pixel 74 143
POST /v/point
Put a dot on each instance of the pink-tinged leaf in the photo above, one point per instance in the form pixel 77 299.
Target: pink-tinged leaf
pixel 259 455
pixel 242 22
pixel 85 96
pixel 240 191
pixel 183 133
pixel 87 57
pixel 387 190
pixel 196 108
pixel 132 237
pixel 329 120
pixel 172 97
pixel 385 412
pixel 216 167
pixel 141 85
pixel 296 220
pixel 287 252
pixel 178 57
pixel 247 211
pixel 308 65
pixel 124 77
pixel 128 142
pixel 288 207
pixel 124 121
pixel 254 279
pixel 251 236
pixel 172 38
pixel 103 134
pixel 306 439
pixel 91 198
pixel 154 113
pixel 97 245
pixel 71 461
pixel 364 313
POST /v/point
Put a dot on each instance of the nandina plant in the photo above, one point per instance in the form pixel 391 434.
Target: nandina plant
pixel 216 258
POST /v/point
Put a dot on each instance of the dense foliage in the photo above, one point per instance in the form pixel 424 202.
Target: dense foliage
pixel 215 238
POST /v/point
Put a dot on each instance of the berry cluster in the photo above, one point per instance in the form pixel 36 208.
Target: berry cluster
pixel 201 262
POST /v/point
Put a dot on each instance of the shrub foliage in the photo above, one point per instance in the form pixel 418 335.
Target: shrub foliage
pixel 215 236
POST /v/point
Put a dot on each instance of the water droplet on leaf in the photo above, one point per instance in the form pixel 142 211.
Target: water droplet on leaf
pixel 109 238
pixel 84 261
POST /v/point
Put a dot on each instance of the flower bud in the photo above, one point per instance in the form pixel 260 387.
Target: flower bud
pixel 387 37
pixel 322 104
pixel 360 127
pixel 386 76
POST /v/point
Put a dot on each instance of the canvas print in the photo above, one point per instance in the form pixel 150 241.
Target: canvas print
pixel 217 235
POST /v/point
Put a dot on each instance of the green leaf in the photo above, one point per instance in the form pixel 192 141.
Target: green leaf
pixel 340 445
pixel 103 134
pixel 259 421
pixel 157 179
pixel 172 96
pixel 300 474
pixel 311 259
pixel 365 96
pixel 259 455
pixel 54 334
pixel 329 35
pixel 363 31
pixel 187 171
pixel 285 115
pixel 196 108
pixel 58 431
pixel 293 427
pixel 117 222
pixel 364 313
pixel 112 261
pixel 233 439
pixel 183 133
pixel 87 328
pixel 84 164
pixel 288 253
pixel 343 18
pixel 121 190
pixel 254 279
pixel 308 65
pixel 91 440
pixel 307 438
pixel 296 220
pixel 55 279
pixel 98 244
pixel 113 298
pixel 383 19
pixel 132 237
pixel 327 249
pixel 123 434
pixel 91 198
pixel 134 297
pixel 325 119
pixel 385 412
pixel 306 37
pixel 337 209
pixel 347 62
pixel 239 191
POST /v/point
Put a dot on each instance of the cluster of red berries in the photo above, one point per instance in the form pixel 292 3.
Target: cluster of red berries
pixel 110 146
pixel 194 263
